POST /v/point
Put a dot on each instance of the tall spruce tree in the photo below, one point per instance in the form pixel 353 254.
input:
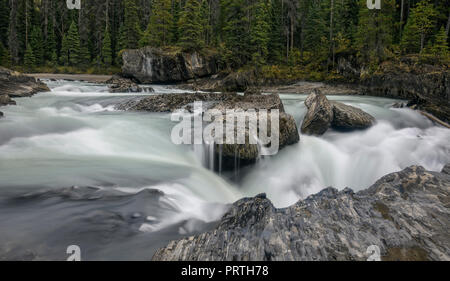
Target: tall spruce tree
pixel 29 59
pixel 260 33
pixel 131 30
pixel 70 50
pixel 158 30
pixel 190 26
pixel 106 48
pixel 419 26
pixel 37 45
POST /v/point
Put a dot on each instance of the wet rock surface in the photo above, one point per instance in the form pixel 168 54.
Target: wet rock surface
pixel 406 214
pixel 323 114
pixel 118 84
pixel 348 117
pixel 6 100
pixel 154 65
pixel 15 84
pixel 319 116
pixel 227 156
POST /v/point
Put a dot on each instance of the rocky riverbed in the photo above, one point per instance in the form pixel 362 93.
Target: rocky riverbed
pixel 405 214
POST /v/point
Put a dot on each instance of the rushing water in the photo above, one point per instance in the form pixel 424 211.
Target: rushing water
pixel 75 171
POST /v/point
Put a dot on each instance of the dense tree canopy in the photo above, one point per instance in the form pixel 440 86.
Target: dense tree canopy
pixel 246 32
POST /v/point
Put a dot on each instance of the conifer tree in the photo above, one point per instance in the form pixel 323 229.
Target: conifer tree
pixel 259 33
pixel 190 26
pixel 439 49
pixel 70 50
pixel 37 45
pixel 158 32
pixel 130 30
pixel 106 48
pixel 419 25
pixel 29 59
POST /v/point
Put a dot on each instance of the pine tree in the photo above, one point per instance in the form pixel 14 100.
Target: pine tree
pixel 131 33
pixel 50 44
pixel 439 49
pixel 235 34
pixel 190 26
pixel 374 33
pixel 70 50
pixel 29 59
pixel 275 45
pixel 173 29
pixel 106 48
pixel 420 23
pixel 158 32
pixel 259 33
pixel 37 45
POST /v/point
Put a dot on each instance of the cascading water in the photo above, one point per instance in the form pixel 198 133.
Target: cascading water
pixel 75 171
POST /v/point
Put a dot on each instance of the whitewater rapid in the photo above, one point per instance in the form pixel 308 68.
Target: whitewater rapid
pixel 73 137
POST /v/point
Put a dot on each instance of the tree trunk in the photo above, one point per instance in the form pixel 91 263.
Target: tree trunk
pixel 401 17
pixel 447 28
pixel 331 32
pixel 13 43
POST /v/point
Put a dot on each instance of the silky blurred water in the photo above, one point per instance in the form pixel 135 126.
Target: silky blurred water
pixel 73 170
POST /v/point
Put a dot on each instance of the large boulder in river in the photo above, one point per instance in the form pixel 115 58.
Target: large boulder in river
pixel 119 84
pixel 155 65
pixel 347 117
pixel 15 84
pixel 227 156
pixel 323 114
pixel 319 116
pixel 405 215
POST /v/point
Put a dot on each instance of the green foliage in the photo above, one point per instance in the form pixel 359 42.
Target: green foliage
pixel 106 48
pixel 130 33
pixel 70 50
pixel 29 59
pixel 191 26
pixel 158 32
pixel 5 58
pixel 37 45
pixel 260 33
pixel 418 27
pixel 439 50
pixel 374 34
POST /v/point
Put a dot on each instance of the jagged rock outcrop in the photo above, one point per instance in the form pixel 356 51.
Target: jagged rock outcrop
pixel 155 65
pixel 319 116
pixel 228 156
pixel 347 117
pixel 406 214
pixel 323 114
pixel 15 84
pixel 118 84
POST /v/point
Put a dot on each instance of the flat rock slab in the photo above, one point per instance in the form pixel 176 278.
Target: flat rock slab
pixel 72 77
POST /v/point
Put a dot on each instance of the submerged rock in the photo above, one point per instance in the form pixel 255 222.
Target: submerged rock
pixel 349 118
pixel 404 214
pixel 1 114
pixel 6 100
pixel 319 116
pixel 155 65
pixel 120 84
pixel 15 84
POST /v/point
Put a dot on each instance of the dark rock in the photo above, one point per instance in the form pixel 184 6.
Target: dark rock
pixel 1 114
pixel 350 118
pixel 15 84
pixel 425 86
pixel 319 116
pixel 405 214
pixel 446 169
pixel 154 65
pixel 120 84
pixel 6 100
pixel 229 155
pixel 253 91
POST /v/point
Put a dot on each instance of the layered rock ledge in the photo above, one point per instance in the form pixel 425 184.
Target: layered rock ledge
pixel 406 214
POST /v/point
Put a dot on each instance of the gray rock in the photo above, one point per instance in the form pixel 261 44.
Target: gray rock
pixel 1 114
pixel 405 214
pixel 227 156
pixel 319 116
pixel 6 100
pixel 154 65
pixel 118 84
pixel 15 84
pixel 446 169
pixel 350 118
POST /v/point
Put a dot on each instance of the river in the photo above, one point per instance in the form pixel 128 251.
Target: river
pixel 75 171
